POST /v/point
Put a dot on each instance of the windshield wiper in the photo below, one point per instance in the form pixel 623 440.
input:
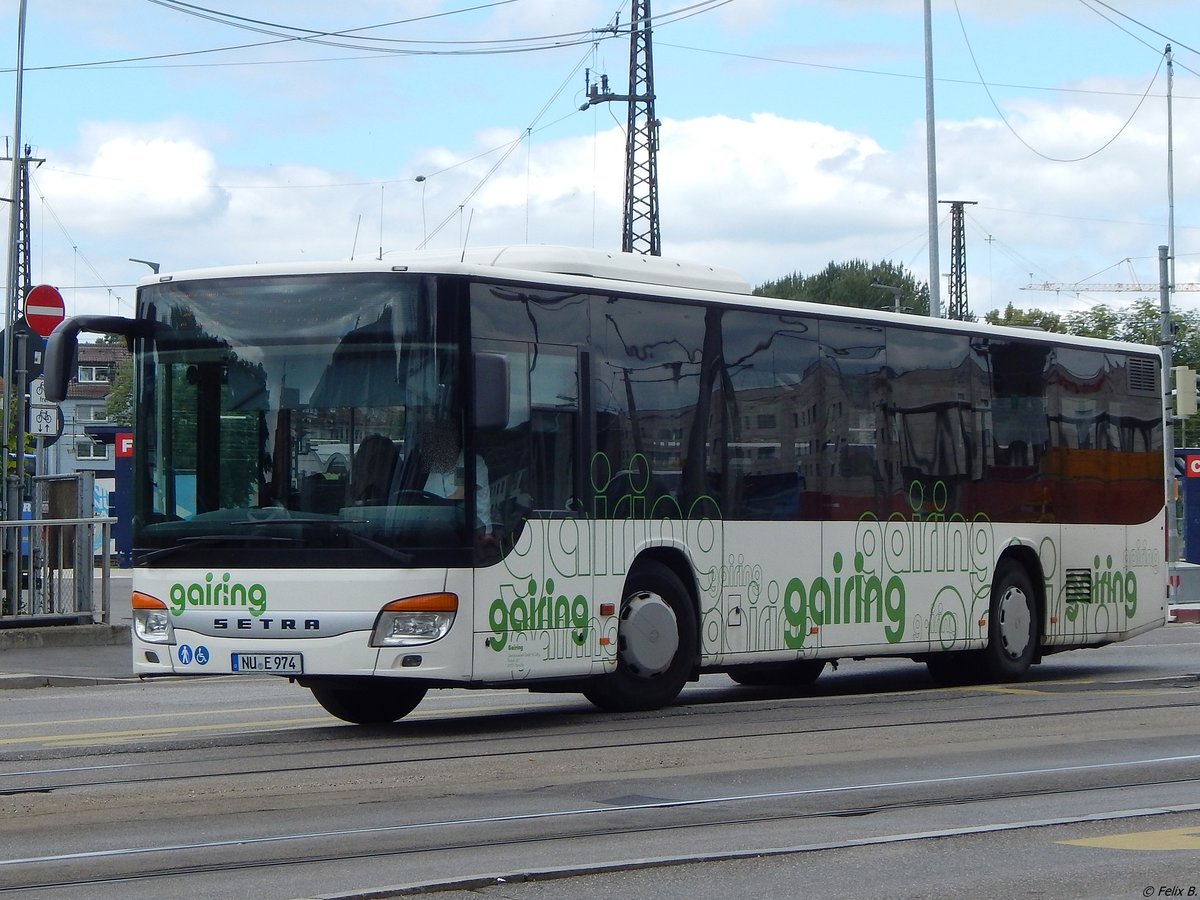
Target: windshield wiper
pixel 335 526
pixel 338 527
pixel 391 552
pixel 212 540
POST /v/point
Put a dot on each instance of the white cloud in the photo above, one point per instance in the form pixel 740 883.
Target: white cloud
pixel 126 183
pixel 764 194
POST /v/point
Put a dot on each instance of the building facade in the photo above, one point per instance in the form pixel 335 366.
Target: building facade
pixel 86 441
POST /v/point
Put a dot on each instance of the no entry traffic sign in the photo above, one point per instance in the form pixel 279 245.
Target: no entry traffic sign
pixel 44 309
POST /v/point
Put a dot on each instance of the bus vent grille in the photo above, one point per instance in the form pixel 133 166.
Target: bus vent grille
pixel 1141 376
pixel 1079 586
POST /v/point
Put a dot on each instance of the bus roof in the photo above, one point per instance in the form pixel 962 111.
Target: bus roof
pixel 548 259
pixel 635 267
pixel 565 266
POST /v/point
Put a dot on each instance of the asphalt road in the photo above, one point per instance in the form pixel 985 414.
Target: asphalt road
pixel 1081 782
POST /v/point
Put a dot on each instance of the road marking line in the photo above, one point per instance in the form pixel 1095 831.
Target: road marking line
pixel 1165 839
pixel 173 714
pixel 1047 692
pixel 92 737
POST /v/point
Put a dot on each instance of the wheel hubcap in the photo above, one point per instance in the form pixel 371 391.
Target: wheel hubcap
pixel 649 636
pixel 1014 622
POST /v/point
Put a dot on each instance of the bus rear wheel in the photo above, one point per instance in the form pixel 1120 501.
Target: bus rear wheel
pixel 367 701
pixel 1012 636
pixel 656 643
pixel 1012 625
pixel 799 674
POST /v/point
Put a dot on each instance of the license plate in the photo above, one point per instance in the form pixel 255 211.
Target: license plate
pixel 269 663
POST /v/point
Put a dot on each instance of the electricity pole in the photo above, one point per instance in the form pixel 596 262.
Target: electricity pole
pixel 935 295
pixel 640 227
pixel 10 542
pixel 958 261
pixel 12 300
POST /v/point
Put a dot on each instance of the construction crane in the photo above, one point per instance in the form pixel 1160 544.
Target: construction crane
pixel 1084 287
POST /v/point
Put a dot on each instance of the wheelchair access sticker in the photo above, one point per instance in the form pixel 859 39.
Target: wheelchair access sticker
pixel 186 655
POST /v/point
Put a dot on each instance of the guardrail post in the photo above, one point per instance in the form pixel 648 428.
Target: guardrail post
pixel 106 574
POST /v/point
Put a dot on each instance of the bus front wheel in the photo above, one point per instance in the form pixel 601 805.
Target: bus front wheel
pixel 367 701
pixel 656 643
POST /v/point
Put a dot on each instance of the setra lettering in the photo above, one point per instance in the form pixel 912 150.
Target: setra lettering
pixel 267 624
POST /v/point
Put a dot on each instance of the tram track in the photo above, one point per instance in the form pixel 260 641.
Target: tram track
pixel 578 824
pixel 416 752
pixel 445 798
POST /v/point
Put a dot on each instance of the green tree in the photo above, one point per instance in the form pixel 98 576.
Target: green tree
pixel 1100 321
pixel 851 284
pixel 1027 318
pixel 118 405
pixel 1140 323
pixel 11 455
pixel 1185 350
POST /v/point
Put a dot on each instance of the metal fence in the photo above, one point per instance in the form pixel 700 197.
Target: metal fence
pixel 55 565
pixel 53 582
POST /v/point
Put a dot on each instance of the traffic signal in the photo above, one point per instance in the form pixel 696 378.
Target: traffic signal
pixel 1185 391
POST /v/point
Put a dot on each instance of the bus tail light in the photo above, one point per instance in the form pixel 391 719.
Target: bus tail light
pixel 414 620
pixel 151 619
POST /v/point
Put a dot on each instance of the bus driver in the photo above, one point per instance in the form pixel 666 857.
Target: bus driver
pixel 443 458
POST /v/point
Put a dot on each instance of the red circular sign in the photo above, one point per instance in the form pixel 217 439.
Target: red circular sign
pixel 44 309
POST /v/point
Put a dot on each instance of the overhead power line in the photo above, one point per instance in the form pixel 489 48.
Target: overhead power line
pixel 1175 41
pixel 372 45
pixel 1007 124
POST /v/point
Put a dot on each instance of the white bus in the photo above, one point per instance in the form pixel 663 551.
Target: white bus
pixel 597 472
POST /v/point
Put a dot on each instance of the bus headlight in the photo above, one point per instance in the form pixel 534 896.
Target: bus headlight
pixel 152 620
pixel 414 620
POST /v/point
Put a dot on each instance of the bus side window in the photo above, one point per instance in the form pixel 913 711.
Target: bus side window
pixel 531 462
pixel 552 460
pixel 554 413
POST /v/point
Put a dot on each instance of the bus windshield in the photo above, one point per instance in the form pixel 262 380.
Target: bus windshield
pixel 299 420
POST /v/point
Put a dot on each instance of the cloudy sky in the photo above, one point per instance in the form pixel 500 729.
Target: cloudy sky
pixel 793 134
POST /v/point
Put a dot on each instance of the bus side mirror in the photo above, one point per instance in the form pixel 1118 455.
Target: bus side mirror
pixel 491 390
pixel 59 363
pixel 63 345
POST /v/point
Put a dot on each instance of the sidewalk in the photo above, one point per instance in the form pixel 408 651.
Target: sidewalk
pixel 62 655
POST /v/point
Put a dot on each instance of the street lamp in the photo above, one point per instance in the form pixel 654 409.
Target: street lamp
pixel 420 179
pixel 895 292
pixel 145 262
